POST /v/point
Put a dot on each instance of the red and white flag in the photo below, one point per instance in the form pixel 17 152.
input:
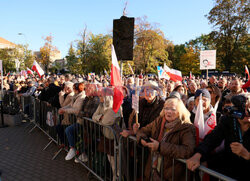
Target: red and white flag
pixel 36 67
pixel 174 75
pixel 199 121
pixel 30 72
pixel 190 75
pixel 116 81
pixel 247 72
pixel 204 128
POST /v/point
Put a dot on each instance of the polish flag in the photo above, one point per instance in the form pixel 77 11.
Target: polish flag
pixel 190 75
pixel 36 67
pixel 199 122
pixel 30 72
pixel 116 81
pixel 247 72
pixel 204 128
pixel 174 75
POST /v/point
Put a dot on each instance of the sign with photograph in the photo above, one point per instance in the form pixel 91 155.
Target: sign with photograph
pixel 208 59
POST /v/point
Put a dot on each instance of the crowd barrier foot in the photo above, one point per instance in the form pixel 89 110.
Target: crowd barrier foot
pixel 57 153
pixel 32 128
pixel 47 145
pixel 28 125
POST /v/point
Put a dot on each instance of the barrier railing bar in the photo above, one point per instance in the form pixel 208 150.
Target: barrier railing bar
pixel 211 172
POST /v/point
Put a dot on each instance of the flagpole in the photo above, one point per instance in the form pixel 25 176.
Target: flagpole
pixel 121 68
pixel 207 76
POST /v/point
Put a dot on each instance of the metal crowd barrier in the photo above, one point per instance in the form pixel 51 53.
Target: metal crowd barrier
pixel 89 138
pixel 109 157
pixel 133 159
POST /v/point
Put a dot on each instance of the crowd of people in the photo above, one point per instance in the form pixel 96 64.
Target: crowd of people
pixel 167 112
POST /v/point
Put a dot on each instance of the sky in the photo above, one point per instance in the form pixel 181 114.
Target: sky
pixel 180 20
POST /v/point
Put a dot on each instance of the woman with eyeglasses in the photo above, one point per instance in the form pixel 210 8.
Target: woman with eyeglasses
pixel 169 136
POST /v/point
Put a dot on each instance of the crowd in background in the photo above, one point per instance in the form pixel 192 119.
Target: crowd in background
pixel 167 111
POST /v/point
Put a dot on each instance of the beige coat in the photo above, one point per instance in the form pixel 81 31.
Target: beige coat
pixel 106 116
pixel 76 104
pixel 64 103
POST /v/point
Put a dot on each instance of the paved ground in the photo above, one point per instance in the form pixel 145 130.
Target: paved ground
pixel 22 158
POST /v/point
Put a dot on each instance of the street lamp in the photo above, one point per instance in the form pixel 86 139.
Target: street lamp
pixel 24 37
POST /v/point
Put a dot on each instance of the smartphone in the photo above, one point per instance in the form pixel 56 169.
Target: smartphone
pixel 146 139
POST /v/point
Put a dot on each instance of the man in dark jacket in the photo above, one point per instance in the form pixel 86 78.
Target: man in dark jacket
pixel 234 129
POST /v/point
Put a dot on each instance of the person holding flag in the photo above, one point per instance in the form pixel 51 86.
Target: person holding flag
pixel 234 129
pixel 247 72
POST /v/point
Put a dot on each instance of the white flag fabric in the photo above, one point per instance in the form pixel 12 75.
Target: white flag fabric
pixel 36 67
pixel 199 121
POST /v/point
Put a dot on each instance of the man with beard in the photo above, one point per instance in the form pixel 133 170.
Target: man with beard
pixel 235 88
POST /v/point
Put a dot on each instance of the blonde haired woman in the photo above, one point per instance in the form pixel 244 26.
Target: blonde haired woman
pixel 171 135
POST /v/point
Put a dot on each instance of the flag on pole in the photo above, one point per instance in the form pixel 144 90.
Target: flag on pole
pixel 199 121
pixel 190 75
pixel 247 72
pixel 204 128
pixel 36 67
pixel 30 72
pixel 131 68
pixel 116 81
pixel 174 75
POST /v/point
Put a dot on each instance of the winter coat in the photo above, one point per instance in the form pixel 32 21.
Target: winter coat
pixel 227 162
pixel 179 143
pixel 64 102
pixel 76 104
pixel 148 112
pixel 106 116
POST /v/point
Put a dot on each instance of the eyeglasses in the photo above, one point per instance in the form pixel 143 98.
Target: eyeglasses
pixel 169 109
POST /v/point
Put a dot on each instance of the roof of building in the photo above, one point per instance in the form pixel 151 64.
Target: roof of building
pixel 6 42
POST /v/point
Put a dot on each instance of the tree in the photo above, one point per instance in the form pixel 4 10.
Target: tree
pixel 8 60
pixel 230 21
pixel 20 53
pixel 24 55
pixel 47 51
pixel 189 61
pixel 150 47
pixel 99 53
pixel 73 63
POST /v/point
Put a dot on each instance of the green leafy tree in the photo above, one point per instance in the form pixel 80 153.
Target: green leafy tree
pixel 73 63
pixel 6 55
pixel 99 53
pixel 230 19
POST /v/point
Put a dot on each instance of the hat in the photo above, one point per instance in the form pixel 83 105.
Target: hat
pixel 152 84
pixel 204 93
pixel 174 94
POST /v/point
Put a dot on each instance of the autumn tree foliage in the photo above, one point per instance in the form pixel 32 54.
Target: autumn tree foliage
pixel 47 51
pixel 230 19
pixel 150 47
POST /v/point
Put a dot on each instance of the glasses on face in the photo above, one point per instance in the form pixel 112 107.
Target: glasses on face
pixel 169 109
